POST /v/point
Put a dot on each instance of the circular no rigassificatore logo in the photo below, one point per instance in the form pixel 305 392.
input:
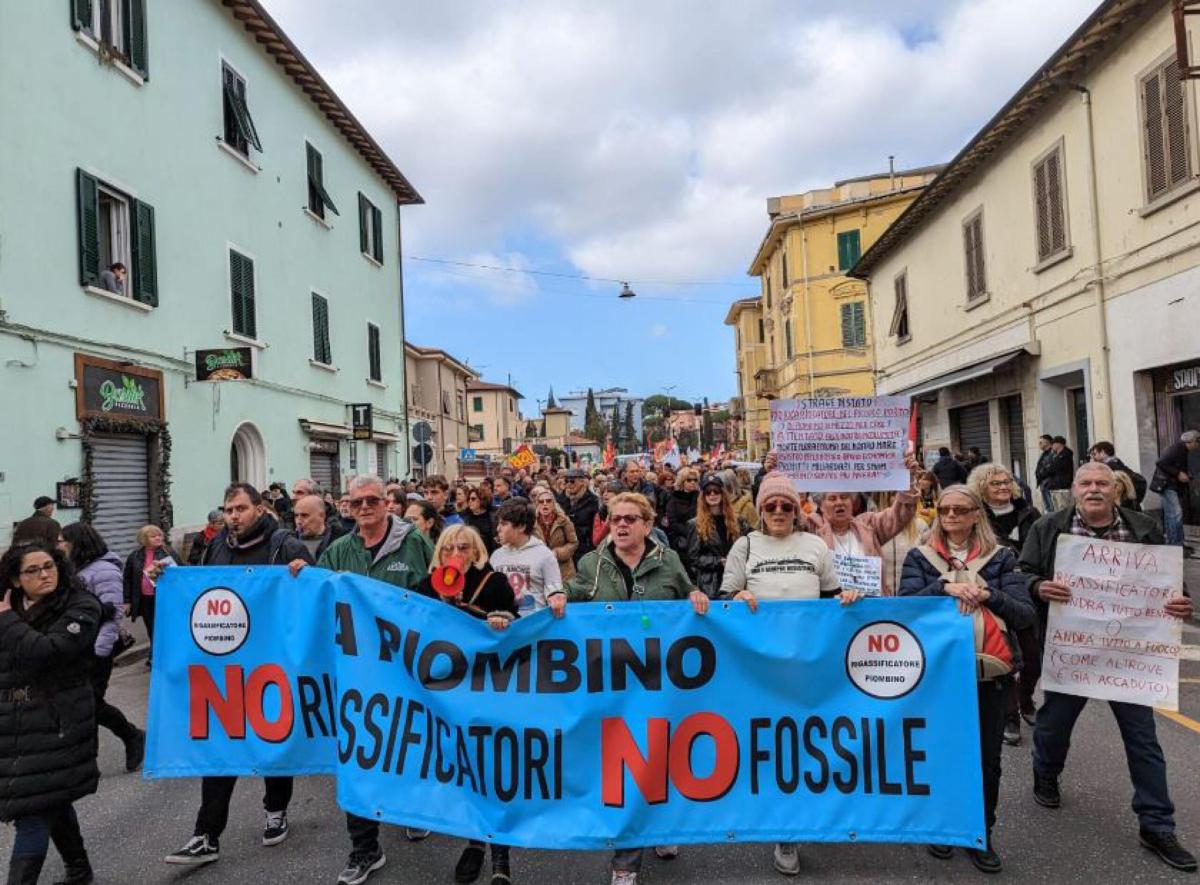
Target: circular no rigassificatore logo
pixel 220 621
pixel 885 660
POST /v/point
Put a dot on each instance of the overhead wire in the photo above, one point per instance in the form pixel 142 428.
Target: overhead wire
pixel 570 276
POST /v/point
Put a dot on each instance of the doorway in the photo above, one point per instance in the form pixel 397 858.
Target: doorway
pixel 248 457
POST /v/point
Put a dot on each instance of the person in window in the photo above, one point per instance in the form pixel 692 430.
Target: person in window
pixel 486 595
pixel 112 278
pixel 963 559
pixel 48 626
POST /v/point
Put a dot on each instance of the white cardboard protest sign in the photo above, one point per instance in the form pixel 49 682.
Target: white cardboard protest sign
pixel 861 573
pixel 1113 640
pixel 845 444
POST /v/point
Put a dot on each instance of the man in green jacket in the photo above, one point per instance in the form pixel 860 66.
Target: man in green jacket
pixel 386 548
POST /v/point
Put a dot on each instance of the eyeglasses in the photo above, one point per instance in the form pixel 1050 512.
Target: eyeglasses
pixel 716 492
pixel 465 547
pixel 44 569
pixel 545 500
pixel 999 483
pixel 624 519
pixel 952 510
pixel 686 481
pixel 368 501
pixel 779 507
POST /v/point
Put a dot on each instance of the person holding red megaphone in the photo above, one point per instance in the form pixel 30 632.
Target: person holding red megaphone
pixel 462 576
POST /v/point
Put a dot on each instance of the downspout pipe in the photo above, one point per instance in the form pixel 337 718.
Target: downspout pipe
pixel 1103 423
pixel 807 303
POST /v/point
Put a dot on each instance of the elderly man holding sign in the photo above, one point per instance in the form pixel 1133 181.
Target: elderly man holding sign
pixel 1096 516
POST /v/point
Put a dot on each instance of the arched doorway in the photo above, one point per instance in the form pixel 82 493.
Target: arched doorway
pixel 248 457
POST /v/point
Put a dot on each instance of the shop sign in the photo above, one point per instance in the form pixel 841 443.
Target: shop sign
pixel 225 364
pixel 1184 380
pixel 360 420
pixel 107 389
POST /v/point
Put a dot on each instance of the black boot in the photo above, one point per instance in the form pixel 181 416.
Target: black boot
pixel 79 871
pixel 500 872
pixel 25 870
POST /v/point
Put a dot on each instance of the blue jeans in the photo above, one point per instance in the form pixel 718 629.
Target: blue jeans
pixel 35 831
pixel 1172 517
pixel 1147 766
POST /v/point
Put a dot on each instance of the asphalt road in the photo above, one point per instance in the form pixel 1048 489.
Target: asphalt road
pixel 131 823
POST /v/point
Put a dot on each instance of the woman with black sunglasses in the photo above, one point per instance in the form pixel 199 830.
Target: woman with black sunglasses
pixel 48 625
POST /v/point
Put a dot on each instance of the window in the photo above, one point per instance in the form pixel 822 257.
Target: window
pixel 854 324
pixel 783 271
pixel 462 406
pixel 318 197
pixel 475 433
pixel 322 352
pixel 973 256
pixel 117 25
pixel 445 402
pixel 476 404
pixel 113 229
pixel 762 335
pixel 510 404
pixel 787 340
pixel 241 290
pixel 1049 201
pixel 768 279
pixel 849 249
pixel 1165 148
pixel 373 355
pixel 899 326
pixel 370 229
pixel 240 133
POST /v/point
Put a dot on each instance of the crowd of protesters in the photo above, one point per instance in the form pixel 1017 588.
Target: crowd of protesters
pixel 551 539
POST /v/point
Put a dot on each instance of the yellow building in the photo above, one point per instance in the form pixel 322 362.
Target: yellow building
pixel 816 327
pixel 494 424
pixel 749 412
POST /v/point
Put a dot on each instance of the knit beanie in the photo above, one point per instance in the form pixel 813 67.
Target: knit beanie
pixel 776 485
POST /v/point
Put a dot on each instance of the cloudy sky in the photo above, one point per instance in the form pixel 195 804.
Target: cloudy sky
pixel 639 141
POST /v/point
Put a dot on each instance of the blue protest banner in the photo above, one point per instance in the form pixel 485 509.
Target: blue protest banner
pixel 617 725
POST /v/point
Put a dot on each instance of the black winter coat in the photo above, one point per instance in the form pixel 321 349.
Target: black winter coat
pixel 1009 597
pixel 948 471
pixel 582 513
pixel 131 575
pixel 265 544
pixel 482 523
pixel 1022 518
pixel 705 560
pixel 484 591
pixel 47 740
pixel 680 510
pixel 1037 556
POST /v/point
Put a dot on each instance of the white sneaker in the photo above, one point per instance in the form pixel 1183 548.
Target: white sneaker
pixel 787 858
pixel 666 852
pixel 413 834
pixel 621 877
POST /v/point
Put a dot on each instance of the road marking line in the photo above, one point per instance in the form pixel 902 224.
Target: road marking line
pixel 1180 719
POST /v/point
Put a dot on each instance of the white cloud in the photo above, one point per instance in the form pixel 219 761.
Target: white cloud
pixel 659 330
pixel 641 141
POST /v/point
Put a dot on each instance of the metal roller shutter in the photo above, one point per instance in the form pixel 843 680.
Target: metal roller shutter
pixel 121 485
pixel 381 460
pixel 974 428
pixel 1014 421
pixel 323 468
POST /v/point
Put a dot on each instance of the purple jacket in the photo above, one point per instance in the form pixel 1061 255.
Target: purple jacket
pixel 102 578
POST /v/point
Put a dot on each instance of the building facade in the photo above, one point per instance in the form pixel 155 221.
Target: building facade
pixel 254 216
pixel 605 401
pixel 815 317
pixel 749 413
pixel 437 399
pixel 494 424
pixel 1046 282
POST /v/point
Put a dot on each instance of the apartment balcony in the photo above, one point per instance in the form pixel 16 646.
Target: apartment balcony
pixel 766 384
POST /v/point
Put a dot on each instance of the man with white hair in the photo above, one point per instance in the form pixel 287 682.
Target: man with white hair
pixel 1171 480
pixel 1096 515
pixel 386 548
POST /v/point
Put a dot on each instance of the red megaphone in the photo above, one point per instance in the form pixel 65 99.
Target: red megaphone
pixel 449 578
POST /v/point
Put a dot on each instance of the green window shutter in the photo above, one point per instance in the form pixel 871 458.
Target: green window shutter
pixel 363 208
pixel 81 15
pixel 847 325
pixel 377 245
pixel 849 249
pixel 373 356
pixel 145 265
pixel 860 324
pixel 318 197
pixel 248 297
pixel 88 205
pixel 135 36
pixel 241 276
pixel 322 352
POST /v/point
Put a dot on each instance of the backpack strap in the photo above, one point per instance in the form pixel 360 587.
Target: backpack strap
pixel 970 569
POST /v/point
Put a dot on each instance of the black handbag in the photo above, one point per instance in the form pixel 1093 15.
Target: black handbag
pixel 1160 482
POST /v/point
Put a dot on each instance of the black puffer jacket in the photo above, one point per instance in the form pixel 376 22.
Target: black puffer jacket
pixel 47 739
pixel 705 560
pixel 681 509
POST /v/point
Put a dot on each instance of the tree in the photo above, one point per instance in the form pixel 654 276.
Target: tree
pixel 557 457
pixel 706 428
pixel 658 402
pixel 531 429
pixel 593 422
pixel 655 428
pixel 550 403
pixel 614 429
pixel 630 436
